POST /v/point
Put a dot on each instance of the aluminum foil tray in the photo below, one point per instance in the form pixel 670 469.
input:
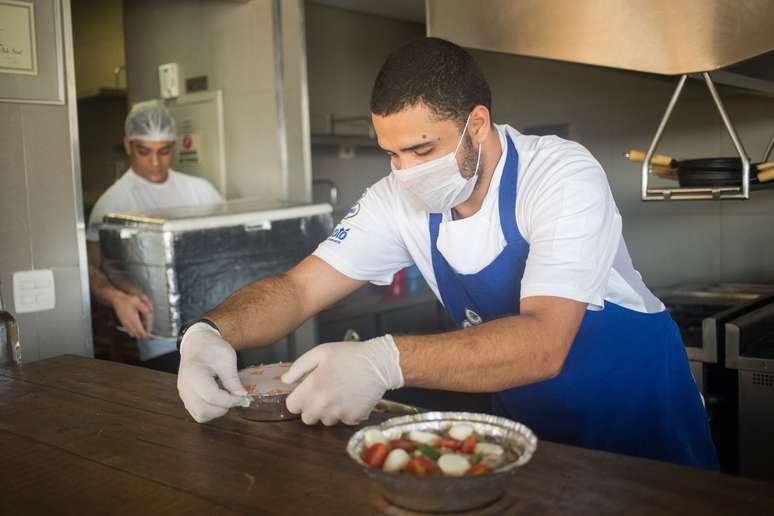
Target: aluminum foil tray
pixel 442 493
pixel 267 392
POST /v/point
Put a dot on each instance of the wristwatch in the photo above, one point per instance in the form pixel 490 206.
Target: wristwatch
pixel 188 325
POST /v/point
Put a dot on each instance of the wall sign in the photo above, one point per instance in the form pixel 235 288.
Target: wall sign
pixel 31 59
pixel 189 148
pixel 17 38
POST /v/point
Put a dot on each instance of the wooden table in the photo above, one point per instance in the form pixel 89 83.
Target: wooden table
pixel 83 436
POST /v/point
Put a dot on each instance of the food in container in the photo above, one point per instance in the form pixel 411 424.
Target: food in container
pixel 267 392
pixel 436 452
pixel 442 461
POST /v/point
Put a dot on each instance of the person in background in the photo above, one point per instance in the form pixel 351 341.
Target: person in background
pixel 149 184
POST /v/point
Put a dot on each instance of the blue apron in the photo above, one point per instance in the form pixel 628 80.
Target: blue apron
pixel 625 387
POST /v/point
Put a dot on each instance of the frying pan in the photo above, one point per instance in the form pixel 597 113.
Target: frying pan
pixel 705 172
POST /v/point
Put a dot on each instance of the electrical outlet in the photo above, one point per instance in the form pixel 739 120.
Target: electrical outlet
pixel 33 291
pixel 169 81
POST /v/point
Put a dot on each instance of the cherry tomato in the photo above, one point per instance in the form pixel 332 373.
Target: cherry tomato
pixel 452 444
pixel 403 444
pixel 420 466
pixel 375 455
pixel 469 445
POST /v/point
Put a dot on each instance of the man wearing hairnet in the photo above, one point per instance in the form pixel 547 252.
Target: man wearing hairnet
pixel 149 184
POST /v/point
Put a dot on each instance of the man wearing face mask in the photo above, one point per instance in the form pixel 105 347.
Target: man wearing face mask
pixel 520 238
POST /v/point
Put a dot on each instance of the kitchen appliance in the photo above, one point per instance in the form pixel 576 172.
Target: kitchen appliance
pixel 750 350
pixel 701 313
pixel 189 260
pixel 701 310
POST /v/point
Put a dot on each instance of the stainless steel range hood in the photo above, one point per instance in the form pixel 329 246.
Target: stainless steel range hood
pixel 655 36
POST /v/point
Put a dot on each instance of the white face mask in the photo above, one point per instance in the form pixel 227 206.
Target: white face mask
pixel 438 184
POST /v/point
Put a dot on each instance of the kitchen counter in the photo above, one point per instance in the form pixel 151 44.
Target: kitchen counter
pixel 84 436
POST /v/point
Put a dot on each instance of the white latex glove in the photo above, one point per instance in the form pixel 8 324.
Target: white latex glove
pixel 204 355
pixel 345 381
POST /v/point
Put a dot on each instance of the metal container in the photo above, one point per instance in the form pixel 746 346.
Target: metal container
pixel 443 493
pixel 189 260
pixel 10 347
pixel 268 393
pixel 267 408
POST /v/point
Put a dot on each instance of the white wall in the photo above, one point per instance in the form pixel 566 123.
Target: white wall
pixel 296 101
pixel 41 219
pixel 232 43
pixel 609 111
pixel 345 51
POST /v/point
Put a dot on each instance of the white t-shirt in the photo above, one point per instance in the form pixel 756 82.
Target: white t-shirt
pixel 135 194
pixel 564 210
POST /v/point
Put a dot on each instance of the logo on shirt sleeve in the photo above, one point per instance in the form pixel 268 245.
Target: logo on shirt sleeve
pixel 354 210
pixel 339 235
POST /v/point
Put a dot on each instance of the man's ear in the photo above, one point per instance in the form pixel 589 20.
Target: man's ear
pixel 127 146
pixel 480 124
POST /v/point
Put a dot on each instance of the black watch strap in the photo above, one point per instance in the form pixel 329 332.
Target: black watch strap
pixel 186 326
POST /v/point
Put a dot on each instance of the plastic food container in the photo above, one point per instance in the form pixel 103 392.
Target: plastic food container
pixel 267 392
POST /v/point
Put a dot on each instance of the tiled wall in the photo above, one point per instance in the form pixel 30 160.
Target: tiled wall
pixel 38 227
pixel 608 111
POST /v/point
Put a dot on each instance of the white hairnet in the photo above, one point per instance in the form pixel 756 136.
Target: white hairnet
pixel 150 122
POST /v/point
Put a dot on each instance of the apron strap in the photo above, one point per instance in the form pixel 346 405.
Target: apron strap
pixel 507 197
pixel 441 268
pixel 453 294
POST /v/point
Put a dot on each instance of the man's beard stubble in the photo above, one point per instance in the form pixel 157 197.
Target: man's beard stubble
pixel 468 166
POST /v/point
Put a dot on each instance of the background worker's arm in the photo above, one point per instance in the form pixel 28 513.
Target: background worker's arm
pixel 133 309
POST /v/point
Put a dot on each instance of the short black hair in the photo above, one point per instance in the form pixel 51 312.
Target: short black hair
pixel 435 72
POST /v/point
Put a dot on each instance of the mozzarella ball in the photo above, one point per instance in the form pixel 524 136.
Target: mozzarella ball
pixel 374 436
pixel 396 460
pixel 489 449
pixel 453 464
pixel 460 431
pixel 423 437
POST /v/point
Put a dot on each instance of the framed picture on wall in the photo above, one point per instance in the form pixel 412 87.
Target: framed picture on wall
pixel 31 56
